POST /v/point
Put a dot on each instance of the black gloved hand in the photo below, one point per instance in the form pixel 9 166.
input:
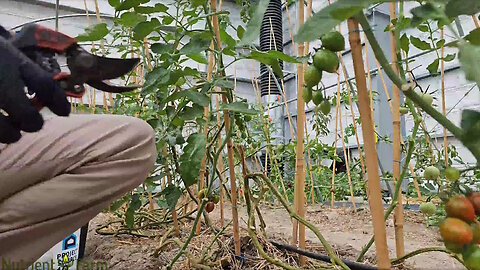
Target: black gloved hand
pixel 16 72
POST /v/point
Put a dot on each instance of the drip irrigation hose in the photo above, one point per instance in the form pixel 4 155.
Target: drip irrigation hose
pixel 321 257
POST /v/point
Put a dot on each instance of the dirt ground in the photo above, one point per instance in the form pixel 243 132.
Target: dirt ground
pixel 346 230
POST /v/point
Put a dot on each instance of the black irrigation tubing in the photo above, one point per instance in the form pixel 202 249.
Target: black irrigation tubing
pixel 321 257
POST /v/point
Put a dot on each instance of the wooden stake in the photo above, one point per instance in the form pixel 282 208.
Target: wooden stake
pixel 442 71
pixel 475 21
pixel 345 151
pixel 397 155
pixel 360 154
pixel 201 180
pixel 337 112
pixel 345 154
pixel 375 197
pixel 300 155
pixel 220 164
pixel 231 163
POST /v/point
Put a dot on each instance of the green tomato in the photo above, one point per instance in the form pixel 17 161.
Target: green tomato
pixel 312 76
pixel 403 110
pixel 428 208
pixel 307 94
pixel 326 60
pixel 427 98
pixel 472 258
pixel 325 107
pixel 333 41
pixel 317 97
pixel 452 174
pixel 431 173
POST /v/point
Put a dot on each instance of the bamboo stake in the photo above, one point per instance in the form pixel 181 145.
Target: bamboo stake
pixel 337 111
pixel 170 181
pixel 345 151
pixel 300 155
pixel 442 71
pixel 231 164
pixel 385 89
pixel 362 164
pixel 201 180
pixel 475 21
pixel 309 163
pixel 397 156
pixel 369 74
pixel 288 113
pixel 102 46
pixel 220 164
pixel 375 197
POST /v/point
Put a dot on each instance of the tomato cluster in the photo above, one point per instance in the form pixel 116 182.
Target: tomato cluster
pixel 460 231
pixel 325 59
pixel 212 199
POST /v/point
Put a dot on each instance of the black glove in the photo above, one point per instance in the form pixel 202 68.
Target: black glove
pixel 16 72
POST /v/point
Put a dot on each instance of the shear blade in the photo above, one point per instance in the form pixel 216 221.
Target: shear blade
pixel 110 88
pixel 111 68
pixel 85 66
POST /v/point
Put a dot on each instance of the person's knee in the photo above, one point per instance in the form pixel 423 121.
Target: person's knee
pixel 144 135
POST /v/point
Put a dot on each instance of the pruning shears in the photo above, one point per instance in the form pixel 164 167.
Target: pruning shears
pixel 41 44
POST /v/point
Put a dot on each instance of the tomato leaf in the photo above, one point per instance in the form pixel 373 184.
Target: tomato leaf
pixel 130 19
pixel 129 217
pixel 449 57
pixel 198 57
pixel 471 125
pixel 255 23
pixel 455 8
pixel 197 97
pixel 161 48
pixel 440 43
pixel 240 31
pixel 159 7
pixel 93 32
pixel 128 4
pixel 224 84
pixel 114 3
pixel 469 57
pixel 198 43
pixel 227 39
pixel 329 17
pixel 238 107
pixel 172 193
pixel 191 158
pixel 420 44
pixel 433 67
pixel 143 29
pixel 405 43
pixel 474 37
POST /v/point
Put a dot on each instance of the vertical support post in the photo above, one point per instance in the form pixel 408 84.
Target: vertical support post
pixel 375 196
pixel 231 163
pixel 396 139
pixel 300 155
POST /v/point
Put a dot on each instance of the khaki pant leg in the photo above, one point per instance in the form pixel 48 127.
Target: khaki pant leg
pixel 54 181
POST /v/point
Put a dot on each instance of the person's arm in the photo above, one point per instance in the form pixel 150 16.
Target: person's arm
pixel 17 112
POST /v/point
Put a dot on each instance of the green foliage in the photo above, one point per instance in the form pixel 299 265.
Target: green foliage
pixel 94 32
pixel 254 24
pixel 332 15
pixel 192 156
pixel 469 57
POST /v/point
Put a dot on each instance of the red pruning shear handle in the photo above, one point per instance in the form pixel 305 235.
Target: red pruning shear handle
pixel 85 68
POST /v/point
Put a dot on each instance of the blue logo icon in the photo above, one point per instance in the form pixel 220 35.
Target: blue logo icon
pixel 69 242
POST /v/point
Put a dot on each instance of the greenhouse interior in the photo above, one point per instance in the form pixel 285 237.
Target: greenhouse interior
pixel 239 134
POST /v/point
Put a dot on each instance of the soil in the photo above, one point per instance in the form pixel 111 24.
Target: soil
pixel 345 229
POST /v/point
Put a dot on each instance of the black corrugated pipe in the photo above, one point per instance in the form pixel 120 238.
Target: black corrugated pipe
pixel 273 14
